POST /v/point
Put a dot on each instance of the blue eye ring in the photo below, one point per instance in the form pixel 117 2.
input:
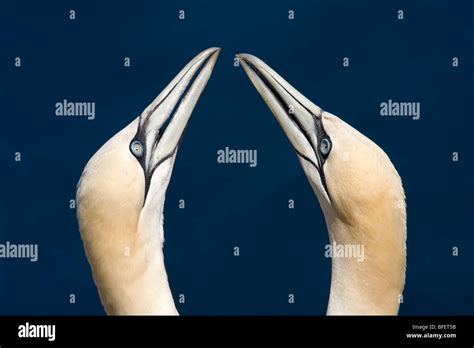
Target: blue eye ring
pixel 136 148
pixel 325 146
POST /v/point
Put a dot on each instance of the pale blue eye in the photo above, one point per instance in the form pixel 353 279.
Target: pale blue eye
pixel 136 148
pixel 325 146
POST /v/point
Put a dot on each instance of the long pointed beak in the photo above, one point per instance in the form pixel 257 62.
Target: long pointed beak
pixel 298 116
pixel 163 122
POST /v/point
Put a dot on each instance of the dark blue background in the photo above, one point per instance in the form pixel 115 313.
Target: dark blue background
pixel 282 250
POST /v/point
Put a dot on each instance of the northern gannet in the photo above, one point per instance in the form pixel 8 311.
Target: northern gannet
pixel 358 188
pixel 120 198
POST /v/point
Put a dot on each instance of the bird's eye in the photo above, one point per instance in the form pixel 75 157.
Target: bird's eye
pixel 137 148
pixel 325 147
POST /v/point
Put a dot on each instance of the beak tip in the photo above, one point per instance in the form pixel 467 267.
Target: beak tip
pixel 211 52
pixel 248 60
pixel 242 56
pixel 214 53
pixel 246 55
pixel 215 50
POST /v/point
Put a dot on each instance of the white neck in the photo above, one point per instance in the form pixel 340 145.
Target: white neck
pixel 146 290
pixel 370 286
pixel 136 283
pixel 125 251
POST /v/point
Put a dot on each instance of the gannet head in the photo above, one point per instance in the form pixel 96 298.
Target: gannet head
pixel 120 195
pixel 350 174
pixel 358 188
